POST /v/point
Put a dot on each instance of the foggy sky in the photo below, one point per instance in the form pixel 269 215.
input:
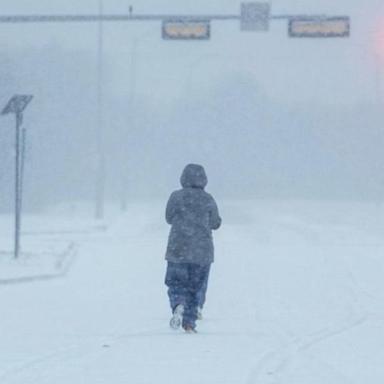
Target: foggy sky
pixel 267 115
pixel 277 63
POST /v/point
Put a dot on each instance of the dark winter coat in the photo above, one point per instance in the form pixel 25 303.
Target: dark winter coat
pixel 193 214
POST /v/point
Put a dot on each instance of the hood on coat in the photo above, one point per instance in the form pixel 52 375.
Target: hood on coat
pixel 194 176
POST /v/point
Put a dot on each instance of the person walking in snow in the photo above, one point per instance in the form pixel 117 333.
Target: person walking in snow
pixel 193 214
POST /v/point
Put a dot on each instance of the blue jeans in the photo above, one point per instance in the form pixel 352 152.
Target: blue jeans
pixel 203 291
pixel 185 281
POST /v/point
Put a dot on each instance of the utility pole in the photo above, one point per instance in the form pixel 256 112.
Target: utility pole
pixel 101 167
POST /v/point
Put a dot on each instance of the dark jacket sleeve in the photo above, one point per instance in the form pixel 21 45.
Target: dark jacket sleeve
pixel 171 208
pixel 214 218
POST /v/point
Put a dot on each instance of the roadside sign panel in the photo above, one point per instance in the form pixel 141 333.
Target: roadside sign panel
pixel 186 30
pixel 255 16
pixel 319 27
pixel 17 104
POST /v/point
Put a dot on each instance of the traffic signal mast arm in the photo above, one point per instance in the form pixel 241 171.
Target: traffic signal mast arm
pixel 130 17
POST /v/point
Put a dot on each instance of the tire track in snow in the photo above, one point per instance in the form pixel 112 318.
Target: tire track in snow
pixel 272 367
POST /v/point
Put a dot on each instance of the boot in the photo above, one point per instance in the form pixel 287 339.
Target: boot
pixel 189 329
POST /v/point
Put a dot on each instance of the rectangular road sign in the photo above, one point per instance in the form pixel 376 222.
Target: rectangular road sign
pixel 17 104
pixel 319 27
pixel 255 16
pixel 186 29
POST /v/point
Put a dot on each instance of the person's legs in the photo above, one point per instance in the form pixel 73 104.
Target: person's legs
pixel 203 291
pixel 197 275
pixel 176 279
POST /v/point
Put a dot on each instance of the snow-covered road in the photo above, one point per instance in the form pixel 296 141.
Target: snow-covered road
pixel 296 296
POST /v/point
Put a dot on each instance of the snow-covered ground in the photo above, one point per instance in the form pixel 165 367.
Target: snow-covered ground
pixel 296 296
pixel 48 244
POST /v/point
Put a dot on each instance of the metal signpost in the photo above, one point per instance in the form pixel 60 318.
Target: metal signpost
pixel 254 16
pixel 16 105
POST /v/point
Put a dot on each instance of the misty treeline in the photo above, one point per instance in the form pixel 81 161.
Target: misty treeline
pixel 250 145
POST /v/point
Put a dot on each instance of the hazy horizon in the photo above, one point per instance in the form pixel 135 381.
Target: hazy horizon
pixel 267 115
